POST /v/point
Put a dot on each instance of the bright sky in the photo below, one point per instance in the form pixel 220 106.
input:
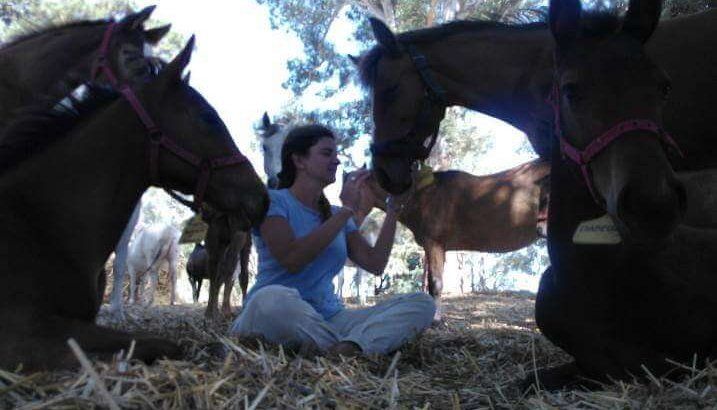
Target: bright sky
pixel 240 63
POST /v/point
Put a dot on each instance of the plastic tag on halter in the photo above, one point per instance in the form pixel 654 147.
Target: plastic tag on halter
pixel 600 231
pixel 424 177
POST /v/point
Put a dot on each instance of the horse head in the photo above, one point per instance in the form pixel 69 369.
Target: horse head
pixel 124 50
pixel 192 151
pixel 405 128
pixel 272 136
pixel 608 97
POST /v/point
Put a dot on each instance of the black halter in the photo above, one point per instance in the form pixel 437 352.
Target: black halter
pixel 434 96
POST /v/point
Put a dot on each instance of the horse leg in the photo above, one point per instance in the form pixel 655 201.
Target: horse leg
pixel 226 302
pixel 212 311
pixel 244 272
pixel 426 271
pixel 120 264
pixel 116 306
pixel 153 280
pixel 435 256
pixel 172 270
pixel 587 332
pixel 38 341
pixel 132 284
pixel 101 285
pixel 340 283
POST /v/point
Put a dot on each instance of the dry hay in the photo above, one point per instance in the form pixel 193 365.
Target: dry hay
pixel 475 360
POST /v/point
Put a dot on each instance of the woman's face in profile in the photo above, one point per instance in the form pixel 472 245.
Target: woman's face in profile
pixel 322 161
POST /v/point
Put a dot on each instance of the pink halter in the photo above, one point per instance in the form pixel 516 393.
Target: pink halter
pixel 157 137
pixel 583 157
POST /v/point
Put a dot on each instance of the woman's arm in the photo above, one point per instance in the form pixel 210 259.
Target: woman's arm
pixel 294 254
pixel 374 259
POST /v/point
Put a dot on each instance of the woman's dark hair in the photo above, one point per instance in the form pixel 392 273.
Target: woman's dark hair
pixel 299 141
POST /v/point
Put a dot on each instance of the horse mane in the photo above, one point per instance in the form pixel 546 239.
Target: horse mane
pixel 594 24
pixel 37 128
pixel 369 60
pixel 50 28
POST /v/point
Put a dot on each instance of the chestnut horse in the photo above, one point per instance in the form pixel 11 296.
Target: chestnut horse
pixel 458 211
pixel 66 202
pixel 506 71
pixel 628 290
pixel 228 245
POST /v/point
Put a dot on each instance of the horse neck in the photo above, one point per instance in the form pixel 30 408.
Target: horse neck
pixel 500 71
pixel 84 186
pixel 571 204
pixel 47 65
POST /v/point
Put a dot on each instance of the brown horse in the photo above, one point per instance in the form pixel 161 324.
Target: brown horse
pixel 46 65
pixel 65 204
pixel 506 71
pixel 198 270
pixel 633 289
pixel 463 212
pixel 228 244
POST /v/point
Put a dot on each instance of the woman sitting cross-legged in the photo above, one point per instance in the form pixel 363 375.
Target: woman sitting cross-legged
pixel 304 243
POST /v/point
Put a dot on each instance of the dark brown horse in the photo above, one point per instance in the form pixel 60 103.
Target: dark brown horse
pixel 42 67
pixel 506 71
pixel 458 211
pixel 46 65
pixel 635 288
pixel 66 202
pixel 228 245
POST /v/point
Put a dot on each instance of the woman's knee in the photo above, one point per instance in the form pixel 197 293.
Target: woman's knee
pixel 423 302
pixel 275 302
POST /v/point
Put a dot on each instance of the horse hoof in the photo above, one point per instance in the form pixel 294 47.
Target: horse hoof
pixel 151 349
pixel 565 376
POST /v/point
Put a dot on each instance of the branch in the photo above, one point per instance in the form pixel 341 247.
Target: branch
pixel 431 15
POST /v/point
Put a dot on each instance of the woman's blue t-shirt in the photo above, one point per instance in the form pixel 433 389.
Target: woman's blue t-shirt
pixel 314 282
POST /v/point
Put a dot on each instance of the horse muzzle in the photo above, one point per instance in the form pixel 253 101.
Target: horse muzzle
pixel 650 214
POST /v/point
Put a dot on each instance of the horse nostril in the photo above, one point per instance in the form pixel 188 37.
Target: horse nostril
pixel 652 209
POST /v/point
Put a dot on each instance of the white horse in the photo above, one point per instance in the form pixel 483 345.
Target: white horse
pixel 272 137
pixel 153 247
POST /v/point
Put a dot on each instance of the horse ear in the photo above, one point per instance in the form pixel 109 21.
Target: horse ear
pixel 354 59
pixel 173 70
pixel 185 80
pixel 384 35
pixel 642 18
pixel 564 18
pixel 135 21
pixel 265 121
pixel 154 35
